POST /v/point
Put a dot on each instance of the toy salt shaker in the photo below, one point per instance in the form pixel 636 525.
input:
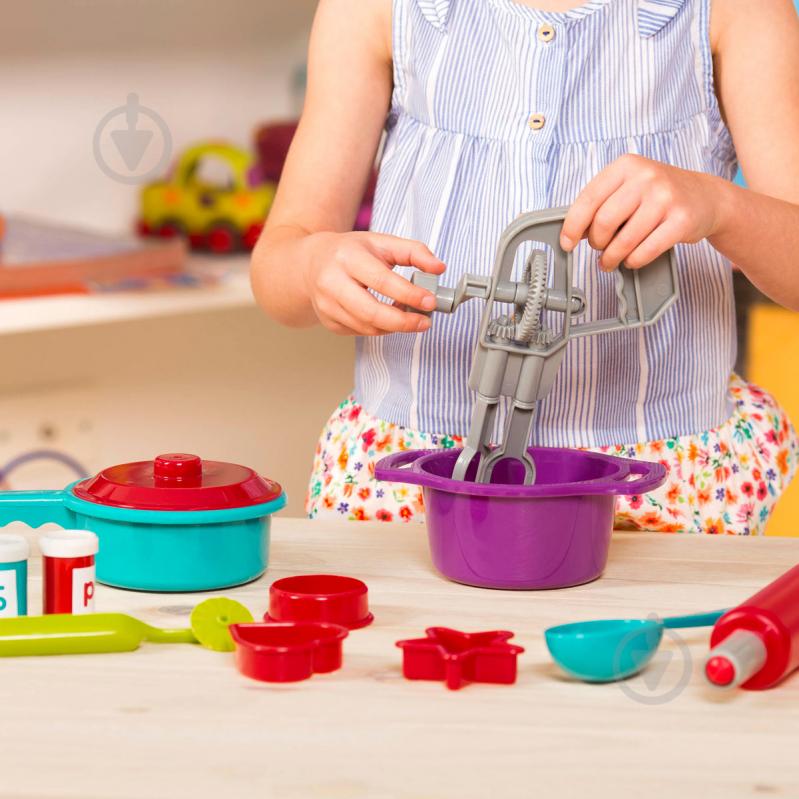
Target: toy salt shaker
pixel 14 552
pixel 68 571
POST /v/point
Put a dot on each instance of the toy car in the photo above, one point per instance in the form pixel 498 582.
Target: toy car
pixel 219 216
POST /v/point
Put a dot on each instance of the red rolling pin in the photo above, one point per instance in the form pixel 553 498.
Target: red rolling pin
pixel 756 645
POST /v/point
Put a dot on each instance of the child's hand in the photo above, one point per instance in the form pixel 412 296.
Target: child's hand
pixel 636 209
pixel 342 266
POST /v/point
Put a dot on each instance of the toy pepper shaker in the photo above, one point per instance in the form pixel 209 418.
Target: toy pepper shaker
pixel 14 551
pixel 68 571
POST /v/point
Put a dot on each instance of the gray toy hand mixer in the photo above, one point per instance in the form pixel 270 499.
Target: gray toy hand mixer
pixel 517 356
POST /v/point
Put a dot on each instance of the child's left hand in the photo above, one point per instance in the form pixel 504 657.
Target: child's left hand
pixel 636 209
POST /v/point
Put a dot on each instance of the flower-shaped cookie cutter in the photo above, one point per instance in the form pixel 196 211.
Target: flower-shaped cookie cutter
pixel 457 658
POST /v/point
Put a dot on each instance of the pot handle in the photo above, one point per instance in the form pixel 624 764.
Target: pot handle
pixel 396 468
pixel 652 475
pixel 35 508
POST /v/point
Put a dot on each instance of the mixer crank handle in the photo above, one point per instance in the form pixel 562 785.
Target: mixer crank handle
pixel 448 299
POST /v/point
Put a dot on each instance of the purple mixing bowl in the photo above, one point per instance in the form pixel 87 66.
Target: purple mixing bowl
pixel 504 534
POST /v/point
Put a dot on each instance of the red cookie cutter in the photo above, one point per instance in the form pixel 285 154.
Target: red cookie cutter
pixel 287 651
pixel 458 658
pixel 320 597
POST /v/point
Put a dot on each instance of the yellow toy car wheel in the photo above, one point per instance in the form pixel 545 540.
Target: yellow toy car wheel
pixel 170 229
pixel 222 237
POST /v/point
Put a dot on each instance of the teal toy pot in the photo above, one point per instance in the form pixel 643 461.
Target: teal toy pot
pixel 176 523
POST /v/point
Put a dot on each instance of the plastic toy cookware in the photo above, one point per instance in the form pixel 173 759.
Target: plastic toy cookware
pixel 457 658
pixel 613 649
pixel 320 597
pixel 177 523
pixel 505 534
pixel 287 651
pixel 67 634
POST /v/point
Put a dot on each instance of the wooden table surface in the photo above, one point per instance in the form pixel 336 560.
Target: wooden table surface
pixel 179 721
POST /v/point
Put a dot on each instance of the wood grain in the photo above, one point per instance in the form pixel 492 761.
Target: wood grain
pixel 178 721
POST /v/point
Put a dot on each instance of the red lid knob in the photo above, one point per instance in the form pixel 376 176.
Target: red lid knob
pixel 178 468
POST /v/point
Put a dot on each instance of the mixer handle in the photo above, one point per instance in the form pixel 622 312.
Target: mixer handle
pixel 644 295
pixel 35 508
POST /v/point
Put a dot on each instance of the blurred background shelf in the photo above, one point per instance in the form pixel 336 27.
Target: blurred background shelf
pixel 80 310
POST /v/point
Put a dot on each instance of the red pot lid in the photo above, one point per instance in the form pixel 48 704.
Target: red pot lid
pixel 177 481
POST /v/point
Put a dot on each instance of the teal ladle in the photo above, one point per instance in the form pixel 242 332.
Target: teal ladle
pixel 612 649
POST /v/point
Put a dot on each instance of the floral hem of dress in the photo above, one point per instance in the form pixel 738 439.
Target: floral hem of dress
pixel 722 481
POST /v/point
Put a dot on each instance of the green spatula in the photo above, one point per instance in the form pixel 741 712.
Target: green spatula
pixel 64 634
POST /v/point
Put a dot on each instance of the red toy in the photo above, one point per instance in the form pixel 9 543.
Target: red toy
pixel 320 597
pixel 69 577
pixel 458 658
pixel 756 645
pixel 287 652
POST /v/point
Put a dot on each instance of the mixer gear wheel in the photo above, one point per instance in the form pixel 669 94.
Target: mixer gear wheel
pixel 526 325
pixel 535 275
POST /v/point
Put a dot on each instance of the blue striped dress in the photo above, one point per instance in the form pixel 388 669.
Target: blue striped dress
pixel 499 108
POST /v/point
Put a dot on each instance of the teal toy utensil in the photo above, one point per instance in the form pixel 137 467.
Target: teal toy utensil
pixel 65 634
pixel 612 649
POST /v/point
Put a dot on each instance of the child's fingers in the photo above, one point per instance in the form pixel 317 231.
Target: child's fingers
pixel 662 238
pixel 640 225
pixel 337 319
pixel 337 328
pixel 354 326
pixel 612 215
pixel 407 252
pixel 581 214
pixel 357 301
pixel 378 276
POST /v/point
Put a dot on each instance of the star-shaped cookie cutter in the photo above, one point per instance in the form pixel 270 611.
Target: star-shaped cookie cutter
pixel 457 658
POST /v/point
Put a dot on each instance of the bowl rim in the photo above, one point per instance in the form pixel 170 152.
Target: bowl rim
pixel 611 484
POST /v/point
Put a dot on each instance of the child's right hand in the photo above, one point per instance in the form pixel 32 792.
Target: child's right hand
pixel 305 267
pixel 341 267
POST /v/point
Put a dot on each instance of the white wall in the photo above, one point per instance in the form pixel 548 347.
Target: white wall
pixel 209 68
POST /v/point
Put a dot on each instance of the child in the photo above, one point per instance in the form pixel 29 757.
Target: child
pixel 633 112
